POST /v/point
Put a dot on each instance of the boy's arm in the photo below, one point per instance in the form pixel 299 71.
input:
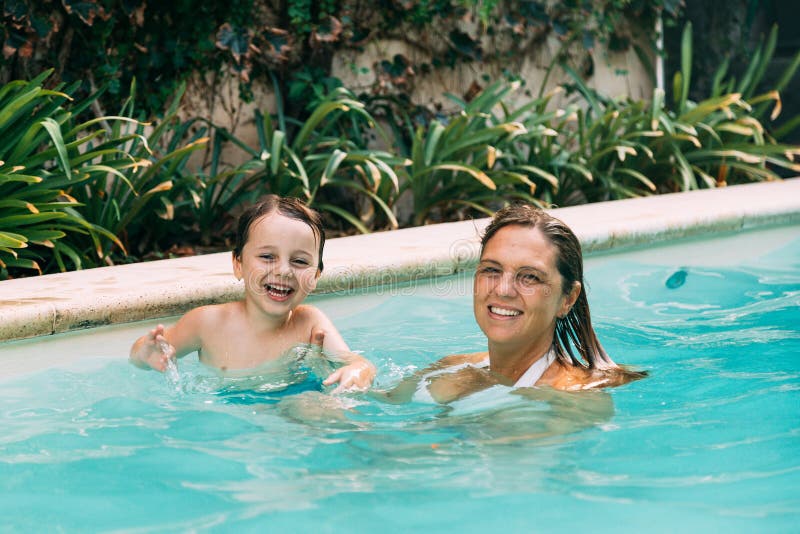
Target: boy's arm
pixel 152 350
pixel 357 373
pixel 155 348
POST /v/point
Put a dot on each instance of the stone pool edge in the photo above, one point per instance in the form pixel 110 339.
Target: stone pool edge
pixel 50 304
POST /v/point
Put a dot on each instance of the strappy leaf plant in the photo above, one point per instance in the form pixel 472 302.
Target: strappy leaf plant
pixel 45 155
pixel 312 161
pixel 737 140
pixel 137 203
pixel 466 163
pixel 626 148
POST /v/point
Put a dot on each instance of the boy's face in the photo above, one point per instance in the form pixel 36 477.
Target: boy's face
pixel 279 263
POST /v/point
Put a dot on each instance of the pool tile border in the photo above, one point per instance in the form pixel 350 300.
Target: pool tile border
pixel 56 303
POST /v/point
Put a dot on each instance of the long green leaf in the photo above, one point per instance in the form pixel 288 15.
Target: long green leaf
pixel 584 90
pixel 11 111
pixel 24 178
pixel 686 68
pixel 375 198
pixel 789 73
pixel 22 263
pixel 431 144
pixel 479 139
pixel 684 169
pixel 335 159
pixel 476 173
pixel 766 59
pixel 747 80
pixel 54 130
pixel 13 240
pixel 656 107
pixel 278 139
pixel 322 112
pixel 64 249
pixel 344 214
pixel 638 176
pixel 719 76
pixel 541 173
pixel 15 221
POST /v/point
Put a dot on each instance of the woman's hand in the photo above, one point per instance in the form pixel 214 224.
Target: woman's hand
pixel 153 350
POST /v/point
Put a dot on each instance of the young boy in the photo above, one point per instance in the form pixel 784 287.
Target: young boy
pixel 278 254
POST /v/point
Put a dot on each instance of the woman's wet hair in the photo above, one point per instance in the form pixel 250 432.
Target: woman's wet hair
pixel 574 331
pixel 288 207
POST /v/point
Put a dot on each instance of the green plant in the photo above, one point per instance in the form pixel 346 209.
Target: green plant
pixel 311 161
pixel 466 163
pixel 631 148
pixel 136 203
pixel 309 86
pixel 728 134
pixel 748 86
pixel 45 155
pixel 548 154
pixel 108 43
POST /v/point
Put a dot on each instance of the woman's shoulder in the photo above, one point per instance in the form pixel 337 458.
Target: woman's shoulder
pixel 572 377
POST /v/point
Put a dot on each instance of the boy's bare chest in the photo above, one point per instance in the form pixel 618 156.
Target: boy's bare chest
pixel 235 348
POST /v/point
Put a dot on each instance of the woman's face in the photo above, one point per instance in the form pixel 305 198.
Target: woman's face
pixel 518 291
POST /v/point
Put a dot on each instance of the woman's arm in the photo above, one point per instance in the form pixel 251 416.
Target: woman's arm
pixel 443 386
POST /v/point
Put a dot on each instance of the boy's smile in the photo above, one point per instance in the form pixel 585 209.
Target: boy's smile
pixel 278 292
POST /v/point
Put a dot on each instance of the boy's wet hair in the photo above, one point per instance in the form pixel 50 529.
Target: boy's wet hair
pixel 286 206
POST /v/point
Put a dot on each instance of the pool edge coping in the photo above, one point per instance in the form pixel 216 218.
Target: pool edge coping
pixel 56 303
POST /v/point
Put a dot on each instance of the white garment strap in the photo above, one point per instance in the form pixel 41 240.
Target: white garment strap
pixel 536 370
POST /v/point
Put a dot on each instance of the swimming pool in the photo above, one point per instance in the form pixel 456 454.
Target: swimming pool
pixel 708 442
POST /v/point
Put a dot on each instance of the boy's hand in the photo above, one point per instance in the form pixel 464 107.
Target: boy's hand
pixel 154 350
pixel 355 376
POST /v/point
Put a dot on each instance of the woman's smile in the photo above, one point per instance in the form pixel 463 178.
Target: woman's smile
pixel 503 312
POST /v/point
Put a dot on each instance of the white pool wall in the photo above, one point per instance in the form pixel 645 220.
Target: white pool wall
pixel 56 303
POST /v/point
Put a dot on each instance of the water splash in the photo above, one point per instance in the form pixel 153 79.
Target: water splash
pixel 172 374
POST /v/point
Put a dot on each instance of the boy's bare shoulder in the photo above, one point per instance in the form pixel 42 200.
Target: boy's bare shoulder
pixel 310 314
pixel 212 313
pixel 307 310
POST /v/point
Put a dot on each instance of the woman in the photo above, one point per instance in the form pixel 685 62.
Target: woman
pixel 530 302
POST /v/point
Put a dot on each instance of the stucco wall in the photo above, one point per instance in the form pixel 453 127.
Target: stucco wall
pixel 217 95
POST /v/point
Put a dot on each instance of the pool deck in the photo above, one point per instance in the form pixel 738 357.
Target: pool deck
pixel 45 305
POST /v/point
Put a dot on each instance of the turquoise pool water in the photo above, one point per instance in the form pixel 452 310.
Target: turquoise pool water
pixel 709 442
